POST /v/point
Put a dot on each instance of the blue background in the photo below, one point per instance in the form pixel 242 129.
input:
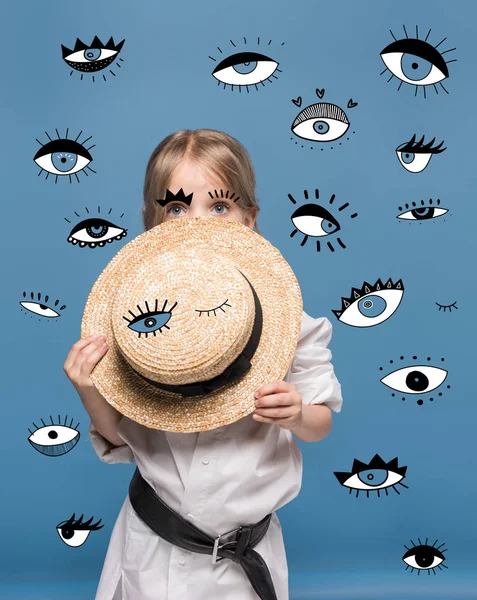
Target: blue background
pixel 338 546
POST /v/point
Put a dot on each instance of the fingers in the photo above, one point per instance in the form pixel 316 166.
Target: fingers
pixel 83 356
pixel 283 399
pixel 75 350
pixel 273 388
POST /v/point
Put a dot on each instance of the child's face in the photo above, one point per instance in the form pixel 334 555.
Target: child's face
pixel 192 179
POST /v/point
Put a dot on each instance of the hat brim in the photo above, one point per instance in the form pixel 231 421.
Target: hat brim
pixel 280 297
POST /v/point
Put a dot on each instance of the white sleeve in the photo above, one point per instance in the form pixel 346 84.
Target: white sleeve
pixel 106 451
pixel 311 370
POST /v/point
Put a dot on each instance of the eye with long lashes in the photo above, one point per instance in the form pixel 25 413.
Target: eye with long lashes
pixel 313 220
pixel 55 439
pixel 321 122
pixel 93 58
pixel 417 380
pixel 245 69
pixel 75 533
pixel 41 308
pixel 214 310
pixel 150 321
pixel 415 156
pixel 376 476
pixel 64 157
pixel 449 307
pixel 416 62
pixel 424 212
pixel 371 304
pixel 424 557
pixel 95 231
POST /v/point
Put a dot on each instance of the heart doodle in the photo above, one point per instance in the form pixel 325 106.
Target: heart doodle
pixel 297 102
pixel 320 93
pixel 352 104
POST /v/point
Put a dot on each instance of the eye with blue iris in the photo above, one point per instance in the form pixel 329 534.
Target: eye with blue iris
pixel 371 304
pixel 150 321
pixel 415 156
pixel 90 59
pixel 314 220
pixel 64 157
pixel 377 476
pixel 94 232
pixel 416 62
pixel 246 69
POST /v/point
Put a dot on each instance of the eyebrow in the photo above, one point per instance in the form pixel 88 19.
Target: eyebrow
pixel 179 197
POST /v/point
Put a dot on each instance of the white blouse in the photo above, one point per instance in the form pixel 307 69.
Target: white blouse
pixel 218 479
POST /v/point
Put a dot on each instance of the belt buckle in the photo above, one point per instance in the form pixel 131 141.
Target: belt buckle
pixel 217 546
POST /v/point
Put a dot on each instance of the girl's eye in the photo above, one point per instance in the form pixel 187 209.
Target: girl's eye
pixel 174 208
pixel 224 208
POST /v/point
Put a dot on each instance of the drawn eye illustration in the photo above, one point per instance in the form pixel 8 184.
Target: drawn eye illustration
pixel 321 122
pixel 75 533
pixel 55 439
pixel 448 307
pixel 151 320
pixel 93 58
pixel 94 232
pixel 313 220
pixel 416 62
pixel 370 305
pixel 64 157
pixel 415 156
pixel 417 379
pixel 245 69
pixel 424 557
pixel 373 477
pixel 214 310
pixel 414 212
pixel 41 308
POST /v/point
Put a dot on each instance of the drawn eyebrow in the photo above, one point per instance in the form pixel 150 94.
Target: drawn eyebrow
pixel 222 195
pixel 179 197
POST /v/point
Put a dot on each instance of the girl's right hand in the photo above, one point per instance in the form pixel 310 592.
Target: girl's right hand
pixel 82 359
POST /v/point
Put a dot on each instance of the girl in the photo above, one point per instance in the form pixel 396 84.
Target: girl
pixel 255 463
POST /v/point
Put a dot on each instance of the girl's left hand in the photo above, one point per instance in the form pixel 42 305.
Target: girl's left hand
pixel 278 402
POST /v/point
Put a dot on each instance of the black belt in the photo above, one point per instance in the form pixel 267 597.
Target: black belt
pixel 172 527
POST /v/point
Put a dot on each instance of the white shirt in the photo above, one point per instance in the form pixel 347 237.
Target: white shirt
pixel 218 479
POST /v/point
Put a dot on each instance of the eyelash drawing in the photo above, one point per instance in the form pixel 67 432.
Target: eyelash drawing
pixel 416 62
pixel 68 530
pixel 222 195
pixel 449 306
pixel 93 58
pixel 414 212
pixel 55 439
pixel 415 156
pixel 245 69
pixel 179 197
pixel 379 476
pixel 150 319
pixel 47 311
pixel 321 122
pixel 417 379
pixel 315 221
pixel 424 557
pixel 370 305
pixel 64 157
pixel 93 232
pixel 214 309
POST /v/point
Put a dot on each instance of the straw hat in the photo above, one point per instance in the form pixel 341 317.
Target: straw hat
pixel 198 314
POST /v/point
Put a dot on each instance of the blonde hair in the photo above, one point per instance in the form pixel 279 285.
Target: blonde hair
pixel 215 152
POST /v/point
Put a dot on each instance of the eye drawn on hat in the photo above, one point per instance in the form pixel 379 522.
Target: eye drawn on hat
pixel 95 232
pixel 313 220
pixel 151 320
pixel 424 557
pixel 415 156
pixel 214 310
pixel 64 157
pixel 93 58
pixel 373 477
pixel 424 212
pixel 417 379
pixel 448 307
pixel 41 308
pixel 371 304
pixel 245 69
pixel 55 439
pixel 321 122
pixel 416 62
pixel 75 533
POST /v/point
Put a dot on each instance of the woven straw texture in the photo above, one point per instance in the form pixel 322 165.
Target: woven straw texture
pixel 191 265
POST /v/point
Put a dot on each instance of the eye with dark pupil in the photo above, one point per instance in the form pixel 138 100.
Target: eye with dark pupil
pixel 150 322
pixel 417 381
